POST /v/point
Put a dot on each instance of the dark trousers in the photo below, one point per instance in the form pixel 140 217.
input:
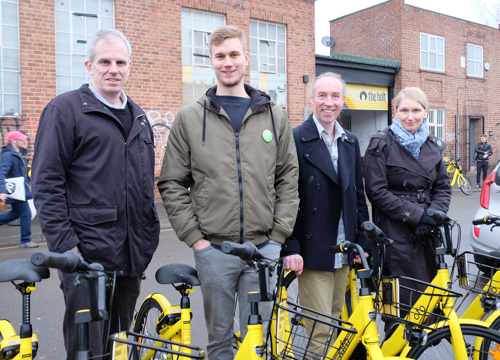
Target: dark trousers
pixel 482 164
pixel 75 297
pixel 22 211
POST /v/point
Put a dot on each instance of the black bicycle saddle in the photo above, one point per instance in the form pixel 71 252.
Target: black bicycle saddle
pixel 22 269
pixel 177 273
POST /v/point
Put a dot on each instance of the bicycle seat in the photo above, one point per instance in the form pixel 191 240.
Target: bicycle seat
pixel 177 273
pixel 22 269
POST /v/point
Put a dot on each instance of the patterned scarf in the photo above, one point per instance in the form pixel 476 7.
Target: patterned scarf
pixel 412 143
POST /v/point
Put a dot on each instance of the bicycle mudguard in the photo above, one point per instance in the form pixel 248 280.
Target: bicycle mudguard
pixel 162 300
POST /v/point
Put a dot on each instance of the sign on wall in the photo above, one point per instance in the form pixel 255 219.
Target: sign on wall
pixel 366 97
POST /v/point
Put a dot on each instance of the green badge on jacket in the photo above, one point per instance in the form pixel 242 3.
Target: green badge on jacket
pixel 267 136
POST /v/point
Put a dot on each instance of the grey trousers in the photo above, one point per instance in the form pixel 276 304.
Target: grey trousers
pixel 222 276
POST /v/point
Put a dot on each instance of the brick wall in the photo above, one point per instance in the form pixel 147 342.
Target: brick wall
pixel 154 31
pixel 392 30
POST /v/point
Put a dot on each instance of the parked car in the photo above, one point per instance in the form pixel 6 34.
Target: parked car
pixel 482 239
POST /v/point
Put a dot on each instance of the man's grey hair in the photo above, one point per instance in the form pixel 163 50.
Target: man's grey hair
pixel 324 75
pixel 109 36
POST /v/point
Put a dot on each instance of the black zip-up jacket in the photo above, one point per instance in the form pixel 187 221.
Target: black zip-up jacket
pixel 91 187
pixel 482 149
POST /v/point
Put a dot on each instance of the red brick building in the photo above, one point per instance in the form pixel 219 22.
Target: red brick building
pixel 455 62
pixel 43 51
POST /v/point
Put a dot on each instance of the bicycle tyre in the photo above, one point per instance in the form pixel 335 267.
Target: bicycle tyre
pixel 436 348
pixel 465 186
pixel 145 323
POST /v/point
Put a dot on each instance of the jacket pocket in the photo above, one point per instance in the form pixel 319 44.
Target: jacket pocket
pixel 95 227
pixel 272 193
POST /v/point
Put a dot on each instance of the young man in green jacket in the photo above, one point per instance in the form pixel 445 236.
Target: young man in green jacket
pixel 230 173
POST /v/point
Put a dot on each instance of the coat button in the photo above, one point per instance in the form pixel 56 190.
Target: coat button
pixel 309 235
pixel 318 186
pixel 85 103
pixel 303 139
pixel 354 187
pixel 356 231
pixel 315 210
pixel 407 214
pixel 142 123
pixel 356 211
pixel 307 155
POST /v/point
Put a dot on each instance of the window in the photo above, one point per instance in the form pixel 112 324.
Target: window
pixel 474 60
pixel 431 52
pixel 76 22
pixel 10 80
pixel 197 72
pixel 268 59
pixel 436 123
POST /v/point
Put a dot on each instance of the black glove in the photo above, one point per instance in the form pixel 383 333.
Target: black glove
pixel 424 228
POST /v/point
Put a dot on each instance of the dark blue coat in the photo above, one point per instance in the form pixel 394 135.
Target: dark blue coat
pixel 12 165
pixel 322 193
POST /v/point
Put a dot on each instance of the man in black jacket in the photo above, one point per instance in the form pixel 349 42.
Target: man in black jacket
pixel 93 184
pixel 483 151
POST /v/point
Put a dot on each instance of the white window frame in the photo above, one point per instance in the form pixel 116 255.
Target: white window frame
pixel 428 51
pixel 268 42
pixel 197 72
pixel 77 50
pixel 13 72
pixel 473 60
pixel 436 122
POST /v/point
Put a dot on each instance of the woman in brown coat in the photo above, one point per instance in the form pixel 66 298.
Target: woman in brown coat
pixel 404 175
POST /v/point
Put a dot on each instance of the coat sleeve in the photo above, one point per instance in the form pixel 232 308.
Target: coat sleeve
pixel 377 187
pixel 54 147
pixel 174 182
pixel 285 182
pixel 490 150
pixel 363 216
pixel 441 190
pixel 5 165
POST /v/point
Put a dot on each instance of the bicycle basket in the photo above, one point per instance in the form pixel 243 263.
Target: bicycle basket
pixel 472 279
pixel 173 349
pixel 329 338
pixel 410 301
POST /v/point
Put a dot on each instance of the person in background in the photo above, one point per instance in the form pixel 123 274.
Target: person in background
pixel 93 181
pixel 404 176
pixel 14 164
pixel 332 204
pixel 483 152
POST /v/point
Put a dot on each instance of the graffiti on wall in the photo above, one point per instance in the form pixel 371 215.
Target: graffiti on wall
pixel 450 136
pixel 6 126
pixel 161 125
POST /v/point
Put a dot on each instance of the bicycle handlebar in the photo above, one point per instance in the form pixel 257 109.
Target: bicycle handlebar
pixel 68 262
pixel 372 232
pixel 438 216
pixel 246 251
pixel 487 220
pixel 346 247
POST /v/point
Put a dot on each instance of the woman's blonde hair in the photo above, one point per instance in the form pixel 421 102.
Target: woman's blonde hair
pixel 412 93
pixel 225 32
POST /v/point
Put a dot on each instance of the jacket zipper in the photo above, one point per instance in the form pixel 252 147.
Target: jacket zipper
pixel 240 183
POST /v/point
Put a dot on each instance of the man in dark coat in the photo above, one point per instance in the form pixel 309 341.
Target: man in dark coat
pixel 93 184
pixel 332 202
pixel 483 151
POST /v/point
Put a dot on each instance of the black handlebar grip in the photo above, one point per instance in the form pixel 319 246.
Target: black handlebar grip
pixel 438 216
pixel 481 221
pixel 335 249
pixel 68 262
pixel 371 230
pixel 246 251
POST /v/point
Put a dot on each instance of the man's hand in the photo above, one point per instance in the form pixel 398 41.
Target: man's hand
pixel 201 244
pixel 75 248
pixel 357 259
pixel 485 156
pixel 294 263
pixel 3 197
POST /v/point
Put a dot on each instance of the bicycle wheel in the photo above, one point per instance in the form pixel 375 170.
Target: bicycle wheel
pixel 438 345
pixel 145 323
pixel 465 185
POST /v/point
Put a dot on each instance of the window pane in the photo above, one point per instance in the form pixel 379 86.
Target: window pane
pixel 107 23
pixel 281 66
pixel 423 42
pixel 254 79
pixel 254 63
pixel 272 31
pixel 430 120
pixel 198 39
pixel 92 7
pixel 208 22
pixel 272 81
pixel 263 30
pixel 11 104
pixel 78 24
pixel 0 90
pixel 77 5
pixel 432 44
pixel 470 67
pixel 281 99
pixel 197 20
pixel 92 26
pixel 78 65
pixel 78 82
pixel 424 63
pixel 9 14
pixel 62 4
pixel 272 48
pixel 198 75
pixel 440 46
pixel 479 69
pixel 254 43
pixel 63 84
pixel 62 21
pixel 219 21
pixel 107 8
pixel 186 55
pixel 281 49
pixel 253 29
pixel 10 36
pixel 186 18
pixel 78 48
pixel 209 76
pixel 432 60
pixel 63 64
pixel 263 47
pixel 11 82
pixel 263 63
pixel 62 42
pixel 470 51
pixel 11 59
pixel 281 82
pixel 479 53
pixel 281 33
pixel 186 37
pixel 440 132
pixel 440 62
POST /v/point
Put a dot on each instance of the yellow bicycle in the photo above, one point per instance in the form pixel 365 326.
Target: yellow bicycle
pixel 455 172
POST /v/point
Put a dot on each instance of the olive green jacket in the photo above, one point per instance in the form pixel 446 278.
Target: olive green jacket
pixel 220 185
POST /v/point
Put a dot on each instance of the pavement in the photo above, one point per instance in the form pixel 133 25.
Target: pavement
pixel 10 235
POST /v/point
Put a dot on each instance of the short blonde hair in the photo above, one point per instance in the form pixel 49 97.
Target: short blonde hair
pixel 324 75
pixel 412 93
pixel 225 32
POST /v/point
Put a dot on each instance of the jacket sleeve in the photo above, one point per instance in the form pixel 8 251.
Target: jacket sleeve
pixel 174 182
pixel 362 208
pixel 5 165
pixel 490 150
pixel 441 189
pixel 377 187
pixel 285 182
pixel 54 147
pixel 478 151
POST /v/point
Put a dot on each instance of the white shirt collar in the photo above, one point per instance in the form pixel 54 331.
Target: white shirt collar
pixel 339 131
pixel 99 97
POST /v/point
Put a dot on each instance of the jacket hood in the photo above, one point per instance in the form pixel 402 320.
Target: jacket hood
pixel 10 148
pixel 257 99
